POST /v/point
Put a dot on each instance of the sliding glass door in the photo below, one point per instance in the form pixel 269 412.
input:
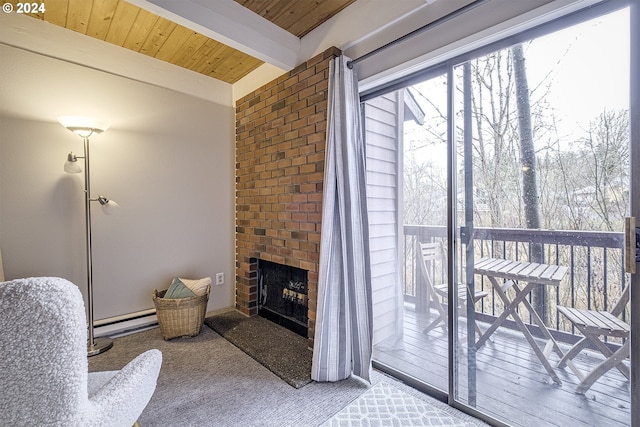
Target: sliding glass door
pixel 499 183
pixel 542 137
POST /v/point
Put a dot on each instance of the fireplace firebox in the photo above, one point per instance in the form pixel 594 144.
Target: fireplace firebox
pixel 283 295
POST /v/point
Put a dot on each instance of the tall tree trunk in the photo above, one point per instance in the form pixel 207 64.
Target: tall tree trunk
pixel 529 170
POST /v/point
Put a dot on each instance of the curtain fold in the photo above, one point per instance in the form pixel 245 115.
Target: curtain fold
pixel 344 320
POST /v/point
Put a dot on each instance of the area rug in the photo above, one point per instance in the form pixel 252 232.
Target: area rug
pixel 280 350
pixel 386 405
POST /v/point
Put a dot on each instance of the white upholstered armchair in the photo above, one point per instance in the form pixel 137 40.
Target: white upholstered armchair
pixel 44 377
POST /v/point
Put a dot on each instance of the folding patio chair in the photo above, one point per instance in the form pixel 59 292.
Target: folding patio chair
pixel 593 325
pixel 427 253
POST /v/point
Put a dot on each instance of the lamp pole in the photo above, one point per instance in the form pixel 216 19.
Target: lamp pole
pixel 85 127
pixel 94 345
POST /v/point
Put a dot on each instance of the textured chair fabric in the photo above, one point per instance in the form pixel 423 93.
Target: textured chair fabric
pixel 44 377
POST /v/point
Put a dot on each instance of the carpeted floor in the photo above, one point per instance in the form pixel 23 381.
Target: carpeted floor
pixel 207 381
pixel 283 352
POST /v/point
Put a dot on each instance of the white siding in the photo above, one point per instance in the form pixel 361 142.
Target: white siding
pixel 383 118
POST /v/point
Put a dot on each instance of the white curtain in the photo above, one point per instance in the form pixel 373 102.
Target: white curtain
pixel 344 324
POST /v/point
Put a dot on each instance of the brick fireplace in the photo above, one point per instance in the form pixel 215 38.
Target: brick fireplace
pixel 280 149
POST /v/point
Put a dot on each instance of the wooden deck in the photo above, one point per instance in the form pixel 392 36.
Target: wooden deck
pixel 512 384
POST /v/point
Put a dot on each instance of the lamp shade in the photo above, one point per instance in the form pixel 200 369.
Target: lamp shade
pixel 72 167
pixel 83 126
pixel 109 207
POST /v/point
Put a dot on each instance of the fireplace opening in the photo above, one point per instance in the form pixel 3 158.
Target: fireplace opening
pixel 283 295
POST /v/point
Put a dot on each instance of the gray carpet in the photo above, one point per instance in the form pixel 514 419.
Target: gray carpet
pixel 207 381
pixel 280 350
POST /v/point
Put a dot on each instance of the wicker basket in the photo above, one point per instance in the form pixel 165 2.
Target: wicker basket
pixel 180 317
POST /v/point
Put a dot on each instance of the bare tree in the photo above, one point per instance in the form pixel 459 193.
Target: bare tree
pixel 424 192
pixel 493 145
pixel 607 145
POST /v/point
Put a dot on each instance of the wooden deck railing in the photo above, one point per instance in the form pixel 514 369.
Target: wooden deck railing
pixel 595 279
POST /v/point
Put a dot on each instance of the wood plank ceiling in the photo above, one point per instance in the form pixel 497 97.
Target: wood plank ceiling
pixel 299 17
pixel 126 25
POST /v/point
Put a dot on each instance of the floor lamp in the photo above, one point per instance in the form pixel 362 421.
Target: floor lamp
pixel 85 127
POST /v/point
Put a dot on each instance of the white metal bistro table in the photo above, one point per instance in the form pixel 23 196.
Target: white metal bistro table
pixel 532 274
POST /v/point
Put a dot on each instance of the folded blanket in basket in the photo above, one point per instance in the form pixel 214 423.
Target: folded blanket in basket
pixel 178 290
pixel 187 288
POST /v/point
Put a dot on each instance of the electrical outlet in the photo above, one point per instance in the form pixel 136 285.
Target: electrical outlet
pixel 220 279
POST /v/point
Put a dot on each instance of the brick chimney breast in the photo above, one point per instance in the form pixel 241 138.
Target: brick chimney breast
pixel 280 149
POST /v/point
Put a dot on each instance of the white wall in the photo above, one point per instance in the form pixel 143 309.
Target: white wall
pixel 168 160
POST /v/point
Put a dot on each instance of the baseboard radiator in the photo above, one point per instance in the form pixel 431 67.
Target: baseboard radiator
pixel 126 323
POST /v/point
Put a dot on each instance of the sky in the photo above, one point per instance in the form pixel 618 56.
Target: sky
pixel 590 64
